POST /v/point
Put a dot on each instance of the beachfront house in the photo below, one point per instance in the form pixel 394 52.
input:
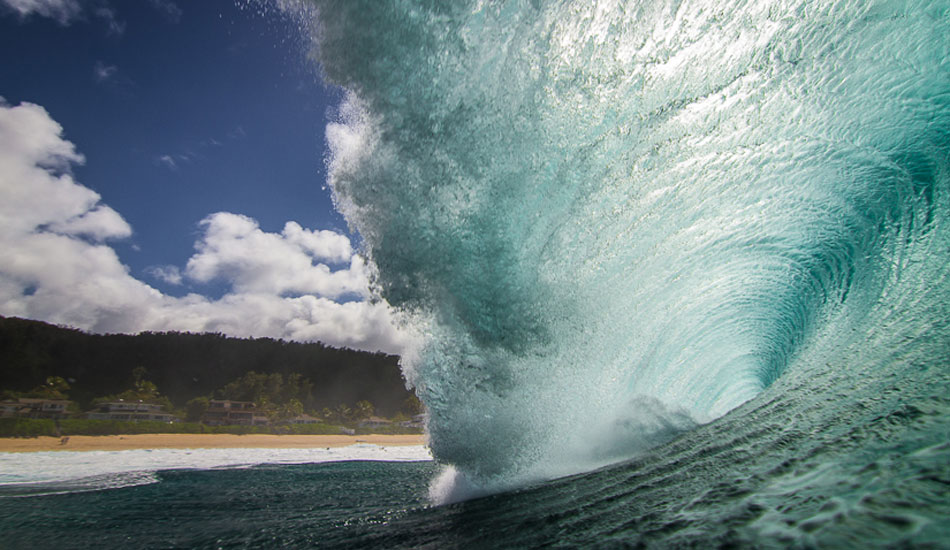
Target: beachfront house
pixel 224 412
pixel 375 422
pixel 417 421
pixel 131 411
pixel 304 419
pixel 27 407
pixel 9 408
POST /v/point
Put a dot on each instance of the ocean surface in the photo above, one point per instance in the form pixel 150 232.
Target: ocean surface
pixel 677 273
pixel 207 498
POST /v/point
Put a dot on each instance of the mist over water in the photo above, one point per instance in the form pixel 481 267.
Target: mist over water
pixel 610 222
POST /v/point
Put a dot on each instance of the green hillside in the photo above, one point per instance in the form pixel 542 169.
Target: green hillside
pixel 185 365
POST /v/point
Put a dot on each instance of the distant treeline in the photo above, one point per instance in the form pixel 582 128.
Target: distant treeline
pixel 186 365
pixel 29 427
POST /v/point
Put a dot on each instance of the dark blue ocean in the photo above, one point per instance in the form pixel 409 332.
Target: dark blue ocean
pixel 678 275
pixel 267 506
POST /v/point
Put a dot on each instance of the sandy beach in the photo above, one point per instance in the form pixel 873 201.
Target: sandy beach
pixel 198 441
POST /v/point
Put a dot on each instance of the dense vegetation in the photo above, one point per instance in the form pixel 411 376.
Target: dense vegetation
pixel 185 366
pixel 30 427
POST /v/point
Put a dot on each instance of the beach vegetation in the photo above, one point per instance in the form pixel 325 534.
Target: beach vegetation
pixel 54 387
pixel 362 410
pixel 412 405
pixel 141 391
pixel 184 365
pixel 30 427
pixel 196 408
pixel 278 395
pixel 273 386
pixel 285 411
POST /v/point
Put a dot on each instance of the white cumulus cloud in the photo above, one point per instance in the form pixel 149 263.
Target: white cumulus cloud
pixel 234 249
pixel 37 188
pixel 55 265
pixel 167 273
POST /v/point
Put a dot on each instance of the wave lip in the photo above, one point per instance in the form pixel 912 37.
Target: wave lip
pixel 606 214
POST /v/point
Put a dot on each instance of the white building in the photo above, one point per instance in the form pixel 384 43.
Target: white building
pixel 131 411
pixel 28 407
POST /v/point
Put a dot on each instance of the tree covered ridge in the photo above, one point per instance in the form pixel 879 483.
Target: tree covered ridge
pixel 185 366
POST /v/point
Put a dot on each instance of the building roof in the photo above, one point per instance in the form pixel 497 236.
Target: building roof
pixel 29 400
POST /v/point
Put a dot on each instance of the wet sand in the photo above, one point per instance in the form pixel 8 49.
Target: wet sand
pixel 198 441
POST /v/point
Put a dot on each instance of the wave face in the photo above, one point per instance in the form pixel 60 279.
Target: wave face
pixel 612 221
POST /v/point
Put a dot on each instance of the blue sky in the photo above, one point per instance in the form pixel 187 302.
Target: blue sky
pixel 199 127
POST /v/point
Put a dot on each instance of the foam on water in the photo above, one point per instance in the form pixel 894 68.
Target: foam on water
pixel 69 471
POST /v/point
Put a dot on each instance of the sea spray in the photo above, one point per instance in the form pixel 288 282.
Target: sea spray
pixel 610 221
pixel 773 244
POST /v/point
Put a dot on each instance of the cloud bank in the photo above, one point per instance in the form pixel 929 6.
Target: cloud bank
pixel 56 264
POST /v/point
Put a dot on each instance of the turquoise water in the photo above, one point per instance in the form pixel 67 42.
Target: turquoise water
pixel 712 239
pixel 678 275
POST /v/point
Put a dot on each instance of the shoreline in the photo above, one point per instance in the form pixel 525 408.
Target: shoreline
pixel 199 441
